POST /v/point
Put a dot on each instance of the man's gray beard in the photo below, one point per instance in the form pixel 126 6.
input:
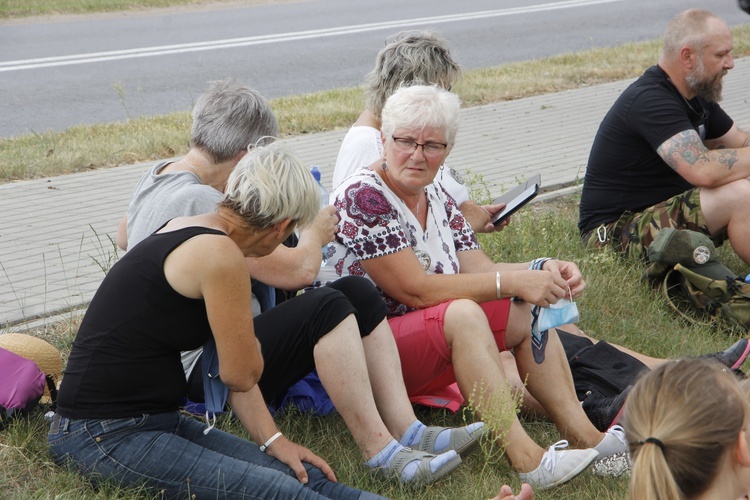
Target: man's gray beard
pixel 710 90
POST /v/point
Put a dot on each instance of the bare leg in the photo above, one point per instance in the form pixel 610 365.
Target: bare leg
pixel 529 405
pixel 727 207
pixel 342 368
pixel 479 373
pixel 384 367
pixel 551 382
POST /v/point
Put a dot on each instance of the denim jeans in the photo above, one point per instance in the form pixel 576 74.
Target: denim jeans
pixel 169 453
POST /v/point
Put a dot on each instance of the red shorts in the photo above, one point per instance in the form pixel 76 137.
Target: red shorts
pixel 425 357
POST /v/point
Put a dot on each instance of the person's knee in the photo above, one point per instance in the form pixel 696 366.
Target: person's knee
pixel 364 298
pixel 465 319
pixel 356 289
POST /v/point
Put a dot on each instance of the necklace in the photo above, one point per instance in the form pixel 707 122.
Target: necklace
pixel 184 160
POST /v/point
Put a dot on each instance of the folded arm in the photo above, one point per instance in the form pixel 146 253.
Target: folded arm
pixel 711 164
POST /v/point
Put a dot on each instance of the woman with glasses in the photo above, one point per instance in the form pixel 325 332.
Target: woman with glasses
pixel 449 304
pixel 409 58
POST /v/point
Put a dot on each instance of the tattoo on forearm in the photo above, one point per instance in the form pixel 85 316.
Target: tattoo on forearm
pixel 727 157
pixel 688 147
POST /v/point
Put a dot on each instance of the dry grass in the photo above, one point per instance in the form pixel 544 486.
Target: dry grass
pixel 20 9
pixel 149 138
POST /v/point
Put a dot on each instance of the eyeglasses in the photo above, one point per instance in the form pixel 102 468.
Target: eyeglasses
pixel 405 145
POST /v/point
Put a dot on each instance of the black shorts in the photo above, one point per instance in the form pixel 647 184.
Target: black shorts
pixel 288 332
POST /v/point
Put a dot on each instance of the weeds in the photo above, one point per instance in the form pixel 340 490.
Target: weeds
pixel 618 306
pixel 107 251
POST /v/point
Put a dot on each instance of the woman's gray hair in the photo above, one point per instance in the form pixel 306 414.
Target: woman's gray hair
pixel 228 117
pixel 420 106
pixel 687 29
pixel 418 58
pixel 268 185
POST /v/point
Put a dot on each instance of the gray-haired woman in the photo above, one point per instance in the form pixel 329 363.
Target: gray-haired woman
pixel 117 415
pixel 450 307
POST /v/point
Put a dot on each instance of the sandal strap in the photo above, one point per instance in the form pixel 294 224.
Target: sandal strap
pixel 461 440
pixel 424 474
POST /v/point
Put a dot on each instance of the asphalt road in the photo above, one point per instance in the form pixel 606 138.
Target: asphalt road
pixel 91 69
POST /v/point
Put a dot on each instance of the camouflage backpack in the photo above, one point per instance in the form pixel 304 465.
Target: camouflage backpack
pixel 727 299
pixel 695 282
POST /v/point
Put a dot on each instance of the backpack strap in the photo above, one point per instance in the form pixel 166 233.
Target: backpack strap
pixel 52 391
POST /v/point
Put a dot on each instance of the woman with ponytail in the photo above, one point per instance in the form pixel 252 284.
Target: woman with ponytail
pixel 686 424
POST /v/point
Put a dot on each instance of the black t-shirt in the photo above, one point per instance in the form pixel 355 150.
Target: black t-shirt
pixel 125 359
pixel 624 171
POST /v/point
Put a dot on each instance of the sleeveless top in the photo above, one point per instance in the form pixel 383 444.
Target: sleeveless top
pixel 125 359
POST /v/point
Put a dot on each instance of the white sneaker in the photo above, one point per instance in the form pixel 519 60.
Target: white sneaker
pixel 614 457
pixel 558 466
pixel 614 442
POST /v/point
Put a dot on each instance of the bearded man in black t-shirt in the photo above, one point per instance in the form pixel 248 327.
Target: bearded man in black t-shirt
pixel 666 154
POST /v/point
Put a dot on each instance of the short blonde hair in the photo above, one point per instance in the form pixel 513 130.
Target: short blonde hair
pixel 269 185
pixel 681 420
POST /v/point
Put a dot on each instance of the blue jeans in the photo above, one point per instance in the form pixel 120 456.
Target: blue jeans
pixel 169 453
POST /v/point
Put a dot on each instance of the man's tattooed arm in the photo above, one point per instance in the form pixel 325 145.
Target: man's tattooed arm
pixel 688 148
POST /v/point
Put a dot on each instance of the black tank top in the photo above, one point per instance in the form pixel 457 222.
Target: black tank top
pixel 125 359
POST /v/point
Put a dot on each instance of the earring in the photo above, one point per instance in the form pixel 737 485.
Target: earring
pixel 384 165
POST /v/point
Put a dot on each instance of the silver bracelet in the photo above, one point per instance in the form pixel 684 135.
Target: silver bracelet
pixel 497 284
pixel 270 441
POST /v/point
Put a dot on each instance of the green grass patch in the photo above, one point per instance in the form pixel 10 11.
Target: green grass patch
pixel 618 306
pixel 10 9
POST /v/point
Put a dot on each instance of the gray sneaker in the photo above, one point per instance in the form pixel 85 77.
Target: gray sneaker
pixel 558 466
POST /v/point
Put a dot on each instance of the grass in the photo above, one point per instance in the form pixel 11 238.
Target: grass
pixel 618 306
pixel 14 9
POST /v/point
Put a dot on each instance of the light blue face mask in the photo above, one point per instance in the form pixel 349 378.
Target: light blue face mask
pixel 560 313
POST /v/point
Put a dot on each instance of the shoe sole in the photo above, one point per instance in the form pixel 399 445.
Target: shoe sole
pixel 742 357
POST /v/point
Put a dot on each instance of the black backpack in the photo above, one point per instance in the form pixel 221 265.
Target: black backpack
pixel 599 370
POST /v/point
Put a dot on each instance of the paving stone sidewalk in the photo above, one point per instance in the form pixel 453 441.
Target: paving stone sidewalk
pixel 56 234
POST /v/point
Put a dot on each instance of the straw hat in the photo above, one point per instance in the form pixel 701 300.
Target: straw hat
pixel 44 354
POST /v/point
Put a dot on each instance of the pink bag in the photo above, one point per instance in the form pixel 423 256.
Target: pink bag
pixel 21 385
